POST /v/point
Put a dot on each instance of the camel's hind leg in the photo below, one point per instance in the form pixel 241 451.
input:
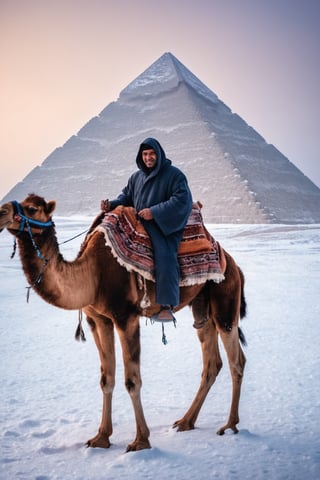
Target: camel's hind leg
pixel 212 364
pixel 130 342
pixel 237 362
pixel 227 306
pixel 103 334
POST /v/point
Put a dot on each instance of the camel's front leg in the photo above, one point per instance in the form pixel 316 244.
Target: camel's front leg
pixel 103 334
pixel 130 343
pixel 211 366
pixel 237 362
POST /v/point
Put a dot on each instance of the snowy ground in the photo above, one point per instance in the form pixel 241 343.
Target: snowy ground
pixel 50 395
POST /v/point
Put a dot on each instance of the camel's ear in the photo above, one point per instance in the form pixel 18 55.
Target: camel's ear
pixel 50 206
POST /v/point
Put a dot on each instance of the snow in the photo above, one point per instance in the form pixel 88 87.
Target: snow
pixel 159 73
pixel 167 72
pixel 51 399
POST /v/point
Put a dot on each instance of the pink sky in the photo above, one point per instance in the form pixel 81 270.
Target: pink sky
pixel 63 61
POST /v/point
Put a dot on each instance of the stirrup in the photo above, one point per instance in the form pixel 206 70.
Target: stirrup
pixel 164 315
pixel 164 319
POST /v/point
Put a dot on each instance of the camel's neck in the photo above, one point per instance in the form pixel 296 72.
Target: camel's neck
pixel 59 282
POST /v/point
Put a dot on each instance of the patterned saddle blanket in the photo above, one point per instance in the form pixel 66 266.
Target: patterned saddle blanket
pixel 130 244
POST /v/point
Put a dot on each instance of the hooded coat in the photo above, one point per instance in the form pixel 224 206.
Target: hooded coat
pixel 164 189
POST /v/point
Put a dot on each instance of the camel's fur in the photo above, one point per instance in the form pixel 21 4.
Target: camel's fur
pixel 109 296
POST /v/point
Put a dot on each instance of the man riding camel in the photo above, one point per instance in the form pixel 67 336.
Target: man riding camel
pixel 160 193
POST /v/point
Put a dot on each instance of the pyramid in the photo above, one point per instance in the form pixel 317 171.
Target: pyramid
pixel 231 169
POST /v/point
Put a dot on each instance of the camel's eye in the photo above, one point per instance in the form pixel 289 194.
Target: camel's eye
pixel 31 210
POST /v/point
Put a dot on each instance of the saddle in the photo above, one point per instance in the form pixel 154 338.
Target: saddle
pixel 198 254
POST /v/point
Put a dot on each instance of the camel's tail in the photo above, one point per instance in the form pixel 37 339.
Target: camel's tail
pixel 243 304
pixel 243 310
pixel 242 338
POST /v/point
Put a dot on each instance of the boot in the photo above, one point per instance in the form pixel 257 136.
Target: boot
pixel 164 315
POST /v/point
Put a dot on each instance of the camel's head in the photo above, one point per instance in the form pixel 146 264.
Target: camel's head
pixel 33 210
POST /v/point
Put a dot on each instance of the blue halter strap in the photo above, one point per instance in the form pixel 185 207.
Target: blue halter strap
pixel 30 222
pixel 26 222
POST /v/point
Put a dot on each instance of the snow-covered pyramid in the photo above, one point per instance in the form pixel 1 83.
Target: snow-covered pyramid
pixel 231 169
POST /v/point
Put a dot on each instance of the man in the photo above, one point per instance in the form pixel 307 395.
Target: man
pixel 161 195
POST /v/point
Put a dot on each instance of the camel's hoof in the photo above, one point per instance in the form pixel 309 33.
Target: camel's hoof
pixel 182 426
pixel 99 441
pixel 222 430
pixel 138 445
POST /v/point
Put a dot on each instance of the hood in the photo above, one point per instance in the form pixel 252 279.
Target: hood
pixel 161 156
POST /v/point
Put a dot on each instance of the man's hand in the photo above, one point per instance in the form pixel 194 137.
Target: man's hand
pixel 105 205
pixel 146 214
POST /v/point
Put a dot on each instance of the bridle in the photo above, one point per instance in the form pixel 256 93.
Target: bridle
pixel 28 223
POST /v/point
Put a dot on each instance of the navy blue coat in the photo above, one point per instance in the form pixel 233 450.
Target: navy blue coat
pixel 165 191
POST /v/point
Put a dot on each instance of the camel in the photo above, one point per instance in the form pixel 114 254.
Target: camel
pixel 108 295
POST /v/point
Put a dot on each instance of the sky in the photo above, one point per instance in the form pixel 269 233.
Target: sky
pixel 63 62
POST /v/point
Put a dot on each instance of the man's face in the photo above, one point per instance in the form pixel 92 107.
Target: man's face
pixel 149 158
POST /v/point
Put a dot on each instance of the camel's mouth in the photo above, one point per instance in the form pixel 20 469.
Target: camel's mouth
pixel 4 224
pixel 4 220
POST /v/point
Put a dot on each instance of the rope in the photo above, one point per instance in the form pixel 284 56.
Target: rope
pixel 164 338
pixel 35 246
pixel 38 279
pixel 76 236
pixel 14 248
